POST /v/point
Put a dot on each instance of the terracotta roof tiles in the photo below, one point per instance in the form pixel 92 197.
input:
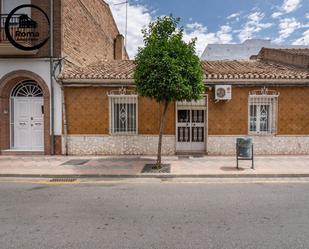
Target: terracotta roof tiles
pixel 214 70
pixel 254 69
pixel 101 70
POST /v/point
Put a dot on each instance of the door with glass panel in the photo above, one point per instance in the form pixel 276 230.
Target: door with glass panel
pixel 191 129
pixel 28 124
pixel 198 130
pixel 27 117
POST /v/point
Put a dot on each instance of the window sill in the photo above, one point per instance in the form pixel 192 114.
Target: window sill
pixel 262 135
pixel 123 134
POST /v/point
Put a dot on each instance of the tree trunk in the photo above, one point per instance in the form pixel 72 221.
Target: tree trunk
pixel 162 126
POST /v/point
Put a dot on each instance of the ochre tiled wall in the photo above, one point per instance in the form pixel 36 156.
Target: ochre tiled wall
pixel 228 118
pixel 293 111
pixel 231 118
pixel 88 112
pixel 149 117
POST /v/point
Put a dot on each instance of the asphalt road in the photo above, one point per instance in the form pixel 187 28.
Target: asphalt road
pixel 181 215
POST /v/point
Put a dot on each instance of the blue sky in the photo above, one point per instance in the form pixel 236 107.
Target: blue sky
pixel 220 21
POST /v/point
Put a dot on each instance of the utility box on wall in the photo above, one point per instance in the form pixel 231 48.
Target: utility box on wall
pixel 223 92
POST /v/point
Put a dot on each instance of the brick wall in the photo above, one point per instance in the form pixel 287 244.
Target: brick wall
pixel 57 27
pixel 89 31
pixel 284 57
pixel 58 145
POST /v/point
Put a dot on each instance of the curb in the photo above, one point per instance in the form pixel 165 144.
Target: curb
pixel 144 176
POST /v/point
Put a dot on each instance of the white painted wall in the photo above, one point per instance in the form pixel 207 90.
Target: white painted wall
pixel 240 51
pixel 40 67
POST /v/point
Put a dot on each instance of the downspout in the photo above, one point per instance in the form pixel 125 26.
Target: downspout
pixel 60 83
pixel 64 116
pixel 51 54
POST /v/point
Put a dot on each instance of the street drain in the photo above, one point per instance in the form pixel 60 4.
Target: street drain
pixel 63 180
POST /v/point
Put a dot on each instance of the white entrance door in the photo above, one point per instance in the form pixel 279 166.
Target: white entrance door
pixel 28 124
pixel 191 129
pixel 198 130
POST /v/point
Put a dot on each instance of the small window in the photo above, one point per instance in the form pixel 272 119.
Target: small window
pixel 263 113
pixel 123 114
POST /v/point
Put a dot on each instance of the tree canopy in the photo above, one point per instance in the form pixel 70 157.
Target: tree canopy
pixel 167 68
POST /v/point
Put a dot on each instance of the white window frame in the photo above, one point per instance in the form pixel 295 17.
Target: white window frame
pixel 121 97
pixel 263 97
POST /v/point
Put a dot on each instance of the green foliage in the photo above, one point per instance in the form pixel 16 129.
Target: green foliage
pixel 167 68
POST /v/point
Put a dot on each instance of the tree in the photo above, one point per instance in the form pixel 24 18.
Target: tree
pixel 167 68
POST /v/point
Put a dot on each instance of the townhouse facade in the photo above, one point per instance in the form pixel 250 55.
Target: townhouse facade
pixel 31 111
pixel 75 95
pixel 265 98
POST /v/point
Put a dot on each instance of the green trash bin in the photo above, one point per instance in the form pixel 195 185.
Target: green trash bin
pixel 244 150
pixel 244 147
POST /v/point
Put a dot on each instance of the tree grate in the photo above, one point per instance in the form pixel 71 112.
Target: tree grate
pixel 150 168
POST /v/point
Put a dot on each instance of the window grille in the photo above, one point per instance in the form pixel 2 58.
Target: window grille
pixel 263 109
pixel 123 112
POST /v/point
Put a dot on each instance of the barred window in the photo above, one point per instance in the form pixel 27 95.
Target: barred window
pixel 123 114
pixel 263 106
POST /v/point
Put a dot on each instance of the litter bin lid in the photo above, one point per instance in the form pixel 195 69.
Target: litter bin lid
pixel 244 142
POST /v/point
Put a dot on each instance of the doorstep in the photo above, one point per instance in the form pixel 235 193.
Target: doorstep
pixel 13 152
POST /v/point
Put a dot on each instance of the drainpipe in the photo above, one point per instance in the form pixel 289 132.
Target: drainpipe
pixel 64 116
pixel 51 54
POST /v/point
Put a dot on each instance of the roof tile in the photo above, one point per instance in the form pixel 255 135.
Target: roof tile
pixel 253 69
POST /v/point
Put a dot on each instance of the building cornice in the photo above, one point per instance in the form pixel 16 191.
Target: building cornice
pixel 239 83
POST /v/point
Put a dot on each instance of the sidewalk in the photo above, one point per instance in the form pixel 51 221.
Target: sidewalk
pixel 47 166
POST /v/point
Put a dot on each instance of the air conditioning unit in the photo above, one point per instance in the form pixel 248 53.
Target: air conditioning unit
pixel 223 92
